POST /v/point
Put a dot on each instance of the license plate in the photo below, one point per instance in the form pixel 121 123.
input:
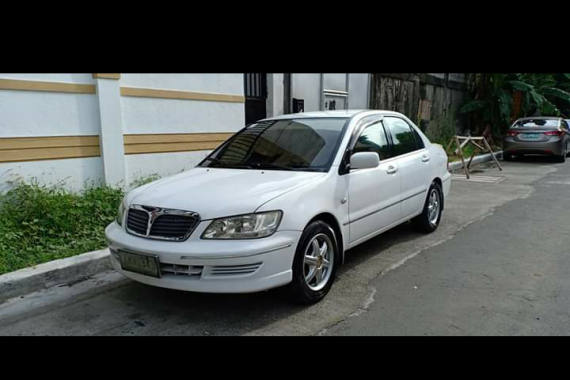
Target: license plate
pixel 147 265
pixel 530 136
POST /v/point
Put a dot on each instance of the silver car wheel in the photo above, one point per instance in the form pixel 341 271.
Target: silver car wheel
pixel 318 262
pixel 433 207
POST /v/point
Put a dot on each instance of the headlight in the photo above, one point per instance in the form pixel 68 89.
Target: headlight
pixel 121 213
pixel 244 227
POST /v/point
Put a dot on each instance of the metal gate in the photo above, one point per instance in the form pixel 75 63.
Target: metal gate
pixel 255 85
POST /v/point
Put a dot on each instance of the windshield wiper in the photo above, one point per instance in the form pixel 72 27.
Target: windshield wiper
pixel 216 161
pixel 225 165
pixel 268 165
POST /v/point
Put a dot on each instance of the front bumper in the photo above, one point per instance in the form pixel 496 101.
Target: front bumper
pixel 552 147
pixel 217 266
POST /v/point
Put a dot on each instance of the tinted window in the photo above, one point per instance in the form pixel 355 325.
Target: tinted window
pixel 402 136
pixel 295 144
pixel 537 123
pixel 373 139
pixel 419 141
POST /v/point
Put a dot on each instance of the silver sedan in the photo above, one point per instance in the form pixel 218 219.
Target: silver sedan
pixel 537 135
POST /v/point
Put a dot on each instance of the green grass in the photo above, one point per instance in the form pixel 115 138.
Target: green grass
pixel 467 152
pixel 39 224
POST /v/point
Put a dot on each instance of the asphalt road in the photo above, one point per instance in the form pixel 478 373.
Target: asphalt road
pixel 498 265
pixel 508 274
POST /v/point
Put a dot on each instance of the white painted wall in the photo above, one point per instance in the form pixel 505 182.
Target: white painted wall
pixel 57 77
pixel 307 87
pixel 215 83
pixel 35 114
pixel 164 164
pixel 143 115
pixel 335 81
pixel 38 114
pixel 359 91
pixel 30 114
pixel 147 115
pixel 73 173
pixel 275 94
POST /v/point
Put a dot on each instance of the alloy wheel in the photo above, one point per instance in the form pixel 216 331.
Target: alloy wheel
pixel 318 262
pixel 433 207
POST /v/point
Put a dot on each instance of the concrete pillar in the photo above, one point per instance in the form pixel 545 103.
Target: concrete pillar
pixel 111 135
pixel 275 93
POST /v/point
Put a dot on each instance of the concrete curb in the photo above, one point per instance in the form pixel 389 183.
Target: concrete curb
pixel 65 271
pixel 476 160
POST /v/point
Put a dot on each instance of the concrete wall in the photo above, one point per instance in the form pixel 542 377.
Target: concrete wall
pixel 41 114
pixel 77 129
pixel 94 119
pixel 309 86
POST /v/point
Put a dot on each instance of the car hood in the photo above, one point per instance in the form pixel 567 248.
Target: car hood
pixel 215 193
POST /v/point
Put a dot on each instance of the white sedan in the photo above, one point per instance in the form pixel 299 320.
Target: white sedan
pixel 279 204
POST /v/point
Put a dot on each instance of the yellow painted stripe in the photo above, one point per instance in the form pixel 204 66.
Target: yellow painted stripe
pixel 29 85
pixel 170 147
pixel 21 149
pixel 41 154
pixel 184 95
pixel 47 142
pixel 166 143
pixel 176 138
pixel 107 76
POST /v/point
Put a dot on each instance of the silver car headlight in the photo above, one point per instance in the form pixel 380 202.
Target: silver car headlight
pixel 121 213
pixel 250 226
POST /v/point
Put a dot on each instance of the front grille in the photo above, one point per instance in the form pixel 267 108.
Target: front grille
pixel 137 221
pixel 181 270
pixel 172 226
pixel 165 224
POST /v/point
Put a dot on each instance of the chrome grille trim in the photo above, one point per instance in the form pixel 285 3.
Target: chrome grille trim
pixel 161 223
pixel 230 270
pixel 182 270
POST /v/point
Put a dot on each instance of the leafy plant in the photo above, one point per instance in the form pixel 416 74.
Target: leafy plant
pixel 40 223
pixel 442 129
pixel 144 180
pixel 493 93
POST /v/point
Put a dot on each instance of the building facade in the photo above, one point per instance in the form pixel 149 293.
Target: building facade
pixel 79 129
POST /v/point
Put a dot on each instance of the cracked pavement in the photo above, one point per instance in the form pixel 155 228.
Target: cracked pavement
pixel 493 267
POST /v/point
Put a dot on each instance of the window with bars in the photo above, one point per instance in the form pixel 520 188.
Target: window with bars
pixel 255 86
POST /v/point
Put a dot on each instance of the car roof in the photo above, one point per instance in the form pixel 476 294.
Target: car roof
pixel 540 118
pixel 332 114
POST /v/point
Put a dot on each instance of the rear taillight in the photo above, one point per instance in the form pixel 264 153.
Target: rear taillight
pixel 554 133
pixel 512 133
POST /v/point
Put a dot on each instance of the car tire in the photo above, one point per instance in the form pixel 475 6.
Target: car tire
pixel 562 157
pixel 508 157
pixel 429 219
pixel 312 280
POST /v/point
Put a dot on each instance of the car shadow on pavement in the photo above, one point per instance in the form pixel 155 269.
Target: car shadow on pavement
pixel 531 159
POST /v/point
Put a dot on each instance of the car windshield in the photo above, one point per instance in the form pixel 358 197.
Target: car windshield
pixel 292 144
pixel 537 123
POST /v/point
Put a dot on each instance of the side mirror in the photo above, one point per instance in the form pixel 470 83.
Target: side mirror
pixel 364 160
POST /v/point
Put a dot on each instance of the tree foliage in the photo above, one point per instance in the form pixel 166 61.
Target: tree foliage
pixel 499 98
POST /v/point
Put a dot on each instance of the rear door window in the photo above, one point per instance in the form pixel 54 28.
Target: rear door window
pixel 403 136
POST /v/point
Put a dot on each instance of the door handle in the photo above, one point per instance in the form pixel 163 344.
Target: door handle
pixel 425 158
pixel 392 170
